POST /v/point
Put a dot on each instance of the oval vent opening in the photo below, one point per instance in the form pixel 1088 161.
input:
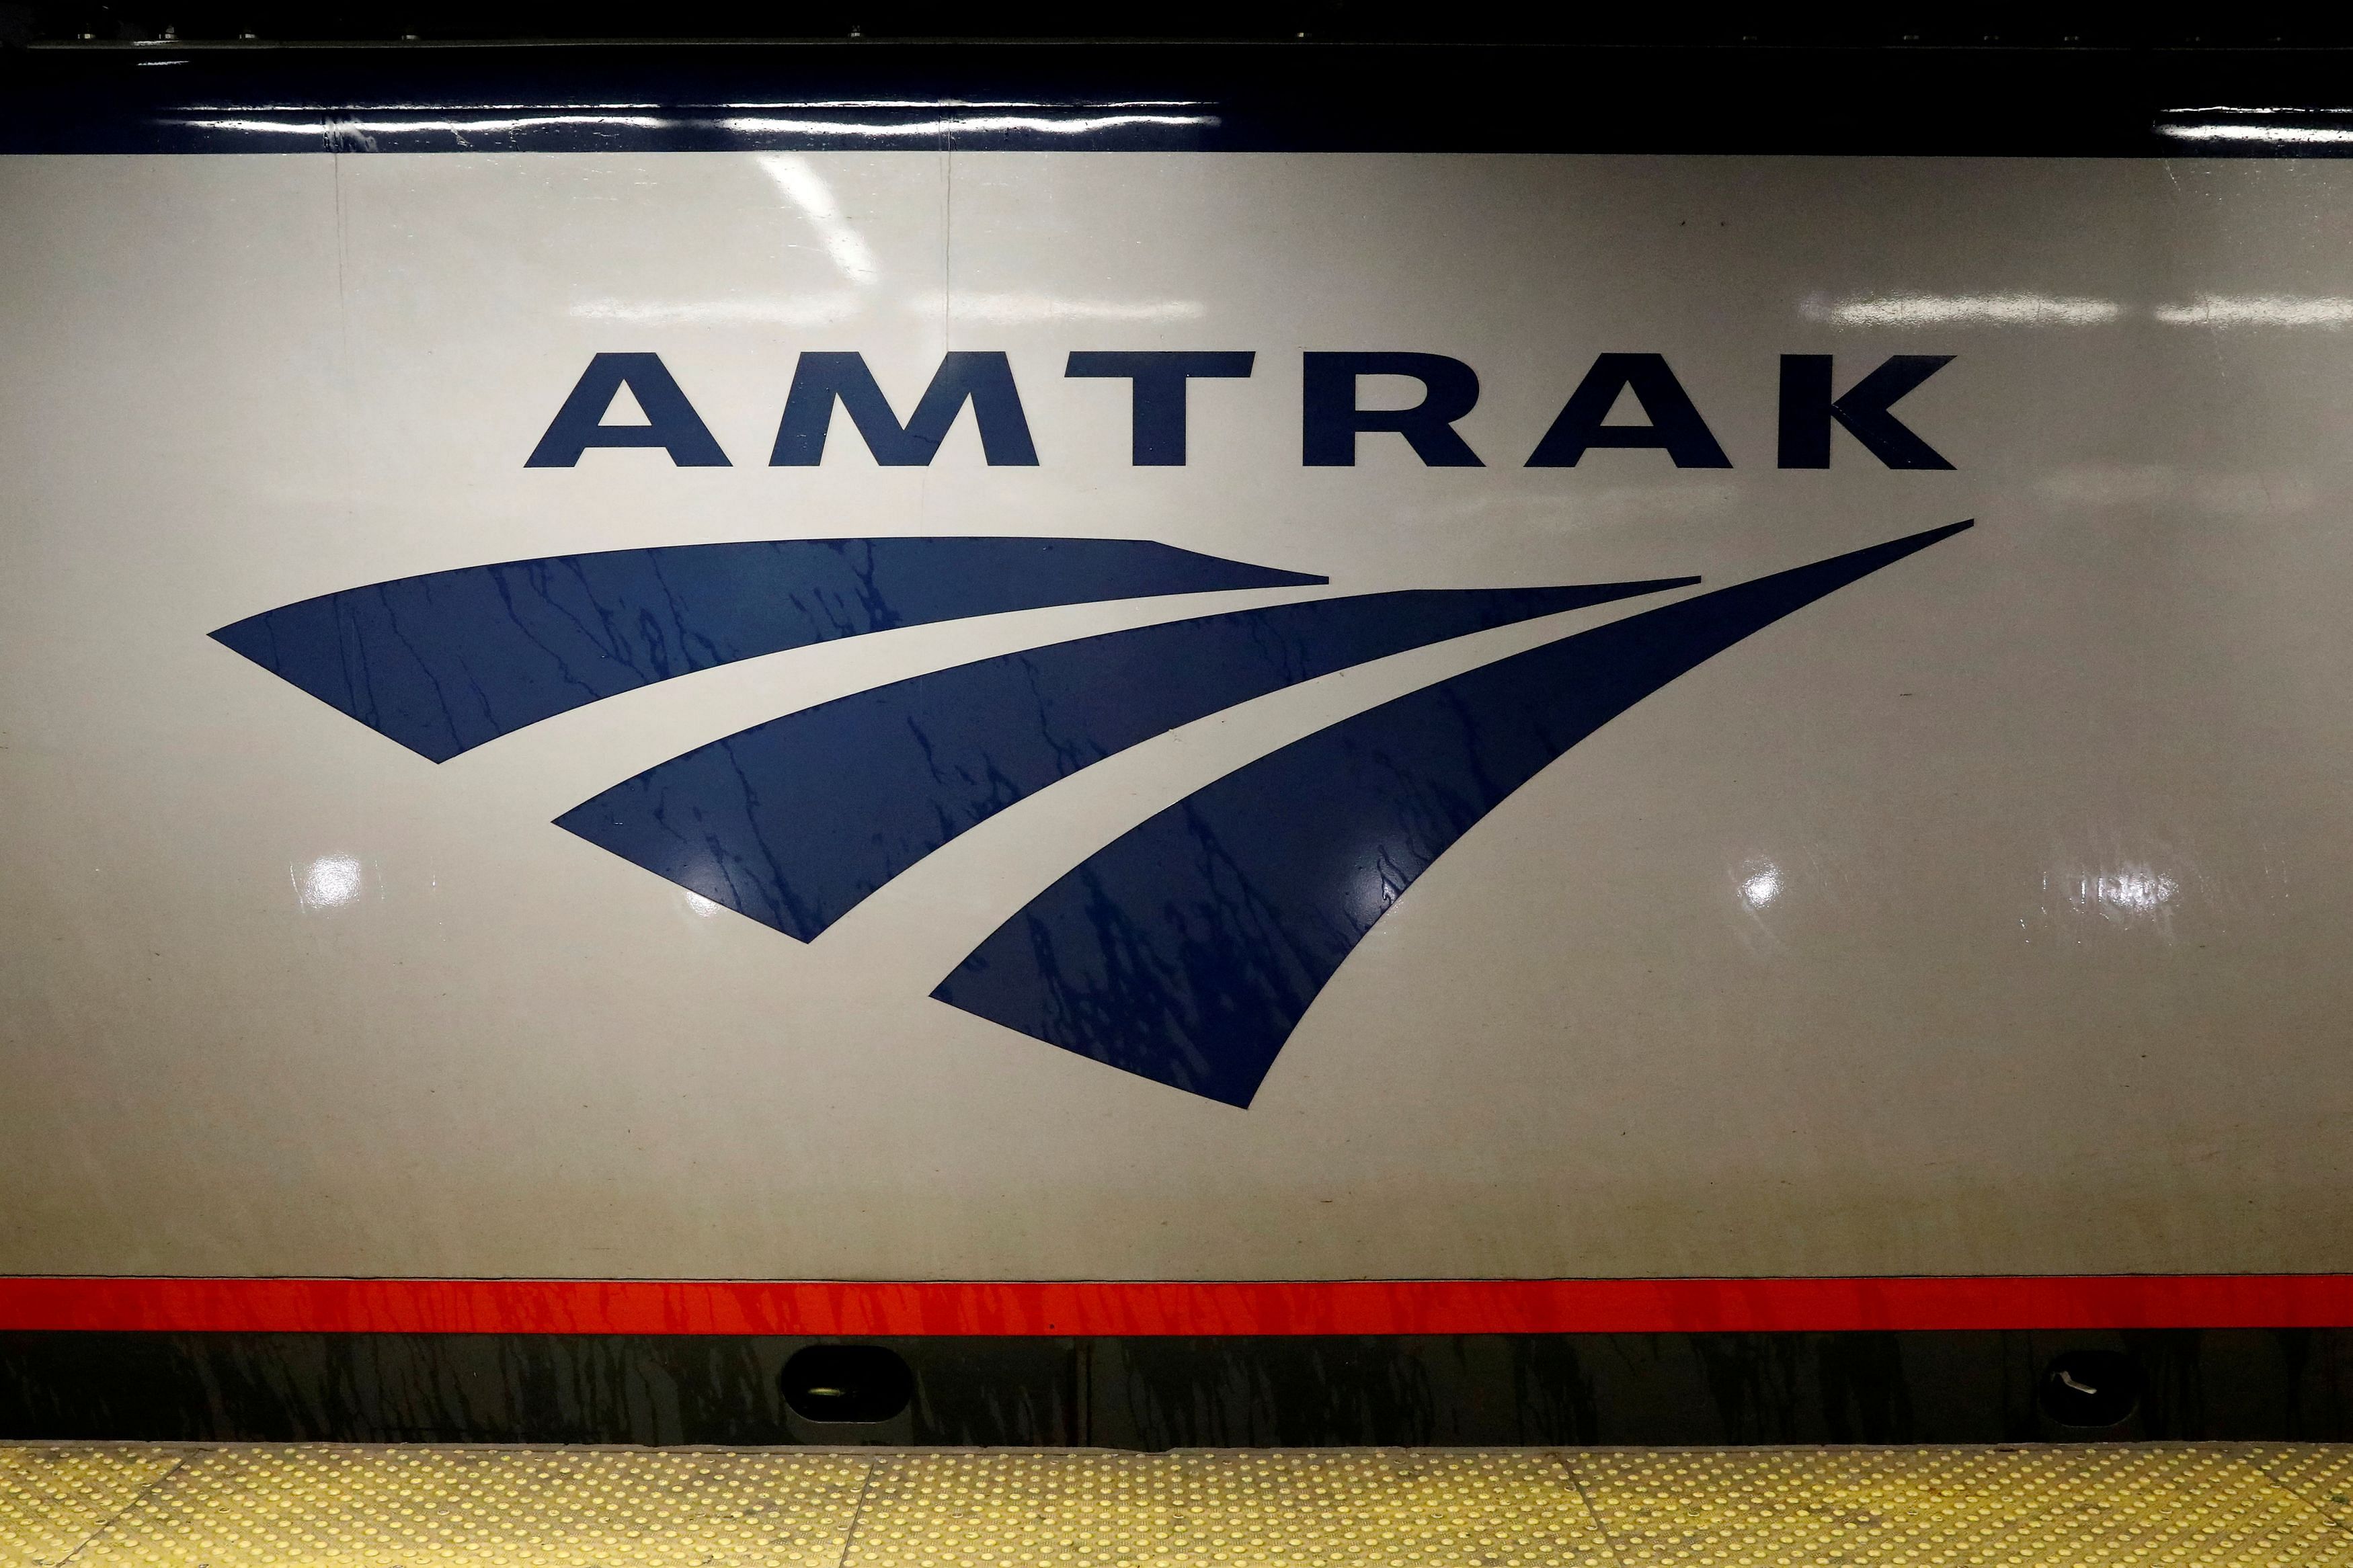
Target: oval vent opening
pixel 2091 1388
pixel 847 1383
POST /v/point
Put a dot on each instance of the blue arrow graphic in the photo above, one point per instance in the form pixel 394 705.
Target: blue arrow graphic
pixel 794 821
pixel 446 661
pixel 1187 949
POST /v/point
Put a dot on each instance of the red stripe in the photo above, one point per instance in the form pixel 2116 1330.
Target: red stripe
pixel 1320 1306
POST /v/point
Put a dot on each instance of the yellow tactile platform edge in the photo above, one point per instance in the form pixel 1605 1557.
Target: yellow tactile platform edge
pixel 2130 1506
pixel 54 1500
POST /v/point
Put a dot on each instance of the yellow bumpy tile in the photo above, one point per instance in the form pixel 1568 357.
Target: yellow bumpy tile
pixel 2319 1475
pixel 411 1507
pixel 1987 1508
pixel 53 1499
pixel 2247 1506
pixel 1337 1509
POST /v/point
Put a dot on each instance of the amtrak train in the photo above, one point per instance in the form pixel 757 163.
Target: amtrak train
pixel 1179 745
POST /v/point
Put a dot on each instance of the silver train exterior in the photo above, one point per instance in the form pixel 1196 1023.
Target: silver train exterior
pixel 1036 693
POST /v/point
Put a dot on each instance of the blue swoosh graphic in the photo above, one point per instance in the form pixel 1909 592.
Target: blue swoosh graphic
pixel 445 661
pixel 1187 949
pixel 794 821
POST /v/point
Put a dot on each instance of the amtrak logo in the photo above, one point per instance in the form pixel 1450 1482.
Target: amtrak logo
pixel 1184 951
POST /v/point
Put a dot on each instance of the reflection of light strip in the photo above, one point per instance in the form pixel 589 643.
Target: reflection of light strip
pixel 327 125
pixel 2278 135
pixel 2258 310
pixel 744 124
pixel 575 110
pixel 815 310
pixel 807 189
pixel 757 125
pixel 444 107
pixel 2137 890
pixel 331 880
pixel 1944 309
pixel 971 103
pixel 308 128
pixel 1005 308
pixel 519 122
pixel 2048 311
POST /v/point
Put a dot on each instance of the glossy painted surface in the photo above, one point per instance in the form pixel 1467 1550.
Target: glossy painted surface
pixel 1989 914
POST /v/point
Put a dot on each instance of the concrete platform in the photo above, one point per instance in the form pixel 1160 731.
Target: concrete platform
pixel 104 1506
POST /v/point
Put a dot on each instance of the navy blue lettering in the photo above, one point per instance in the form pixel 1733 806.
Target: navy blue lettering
pixel 1159 378
pixel 1676 425
pixel 1330 419
pixel 985 380
pixel 672 423
pixel 1807 410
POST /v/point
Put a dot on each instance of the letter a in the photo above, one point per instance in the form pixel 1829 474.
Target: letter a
pixel 672 423
pixel 1676 425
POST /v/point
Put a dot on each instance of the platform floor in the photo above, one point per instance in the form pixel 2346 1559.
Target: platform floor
pixel 104 1506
